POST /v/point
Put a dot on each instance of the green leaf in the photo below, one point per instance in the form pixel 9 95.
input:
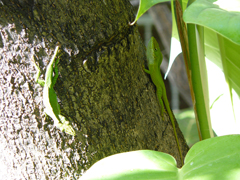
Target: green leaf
pixel 139 165
pixel 220 16
pixel 215 158
pixel 144 6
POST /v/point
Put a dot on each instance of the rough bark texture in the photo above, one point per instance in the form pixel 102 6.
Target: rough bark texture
pixel 110 101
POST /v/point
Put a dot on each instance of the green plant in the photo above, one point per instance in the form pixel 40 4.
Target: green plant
pixel 211 36
pixel 208 159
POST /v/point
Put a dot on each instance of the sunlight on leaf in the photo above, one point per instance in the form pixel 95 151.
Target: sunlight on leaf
pixel 222 117
pixel 210 14
pixel 228 5
pixel 215 158
pixel 140 165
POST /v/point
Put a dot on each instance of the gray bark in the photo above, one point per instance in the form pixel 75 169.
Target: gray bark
pixel 110 101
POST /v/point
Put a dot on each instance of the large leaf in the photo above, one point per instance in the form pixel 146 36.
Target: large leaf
pixel 221 16
pixel 215 158
pixel 139 165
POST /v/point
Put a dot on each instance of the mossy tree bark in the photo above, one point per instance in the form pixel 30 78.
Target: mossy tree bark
pixel 102 88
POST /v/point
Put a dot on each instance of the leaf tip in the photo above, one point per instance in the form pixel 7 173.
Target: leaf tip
pixel 132 23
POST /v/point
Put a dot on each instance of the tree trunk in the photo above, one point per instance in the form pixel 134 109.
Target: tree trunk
pixel 101 87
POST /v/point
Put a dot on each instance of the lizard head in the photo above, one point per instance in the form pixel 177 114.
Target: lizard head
pixel 154 53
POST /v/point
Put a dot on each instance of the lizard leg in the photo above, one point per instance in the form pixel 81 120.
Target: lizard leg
pixel 39 81
pixel 65 126
pixel 146 71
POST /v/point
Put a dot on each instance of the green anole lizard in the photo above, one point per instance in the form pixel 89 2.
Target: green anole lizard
pixel 154 60
pixel 52 108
